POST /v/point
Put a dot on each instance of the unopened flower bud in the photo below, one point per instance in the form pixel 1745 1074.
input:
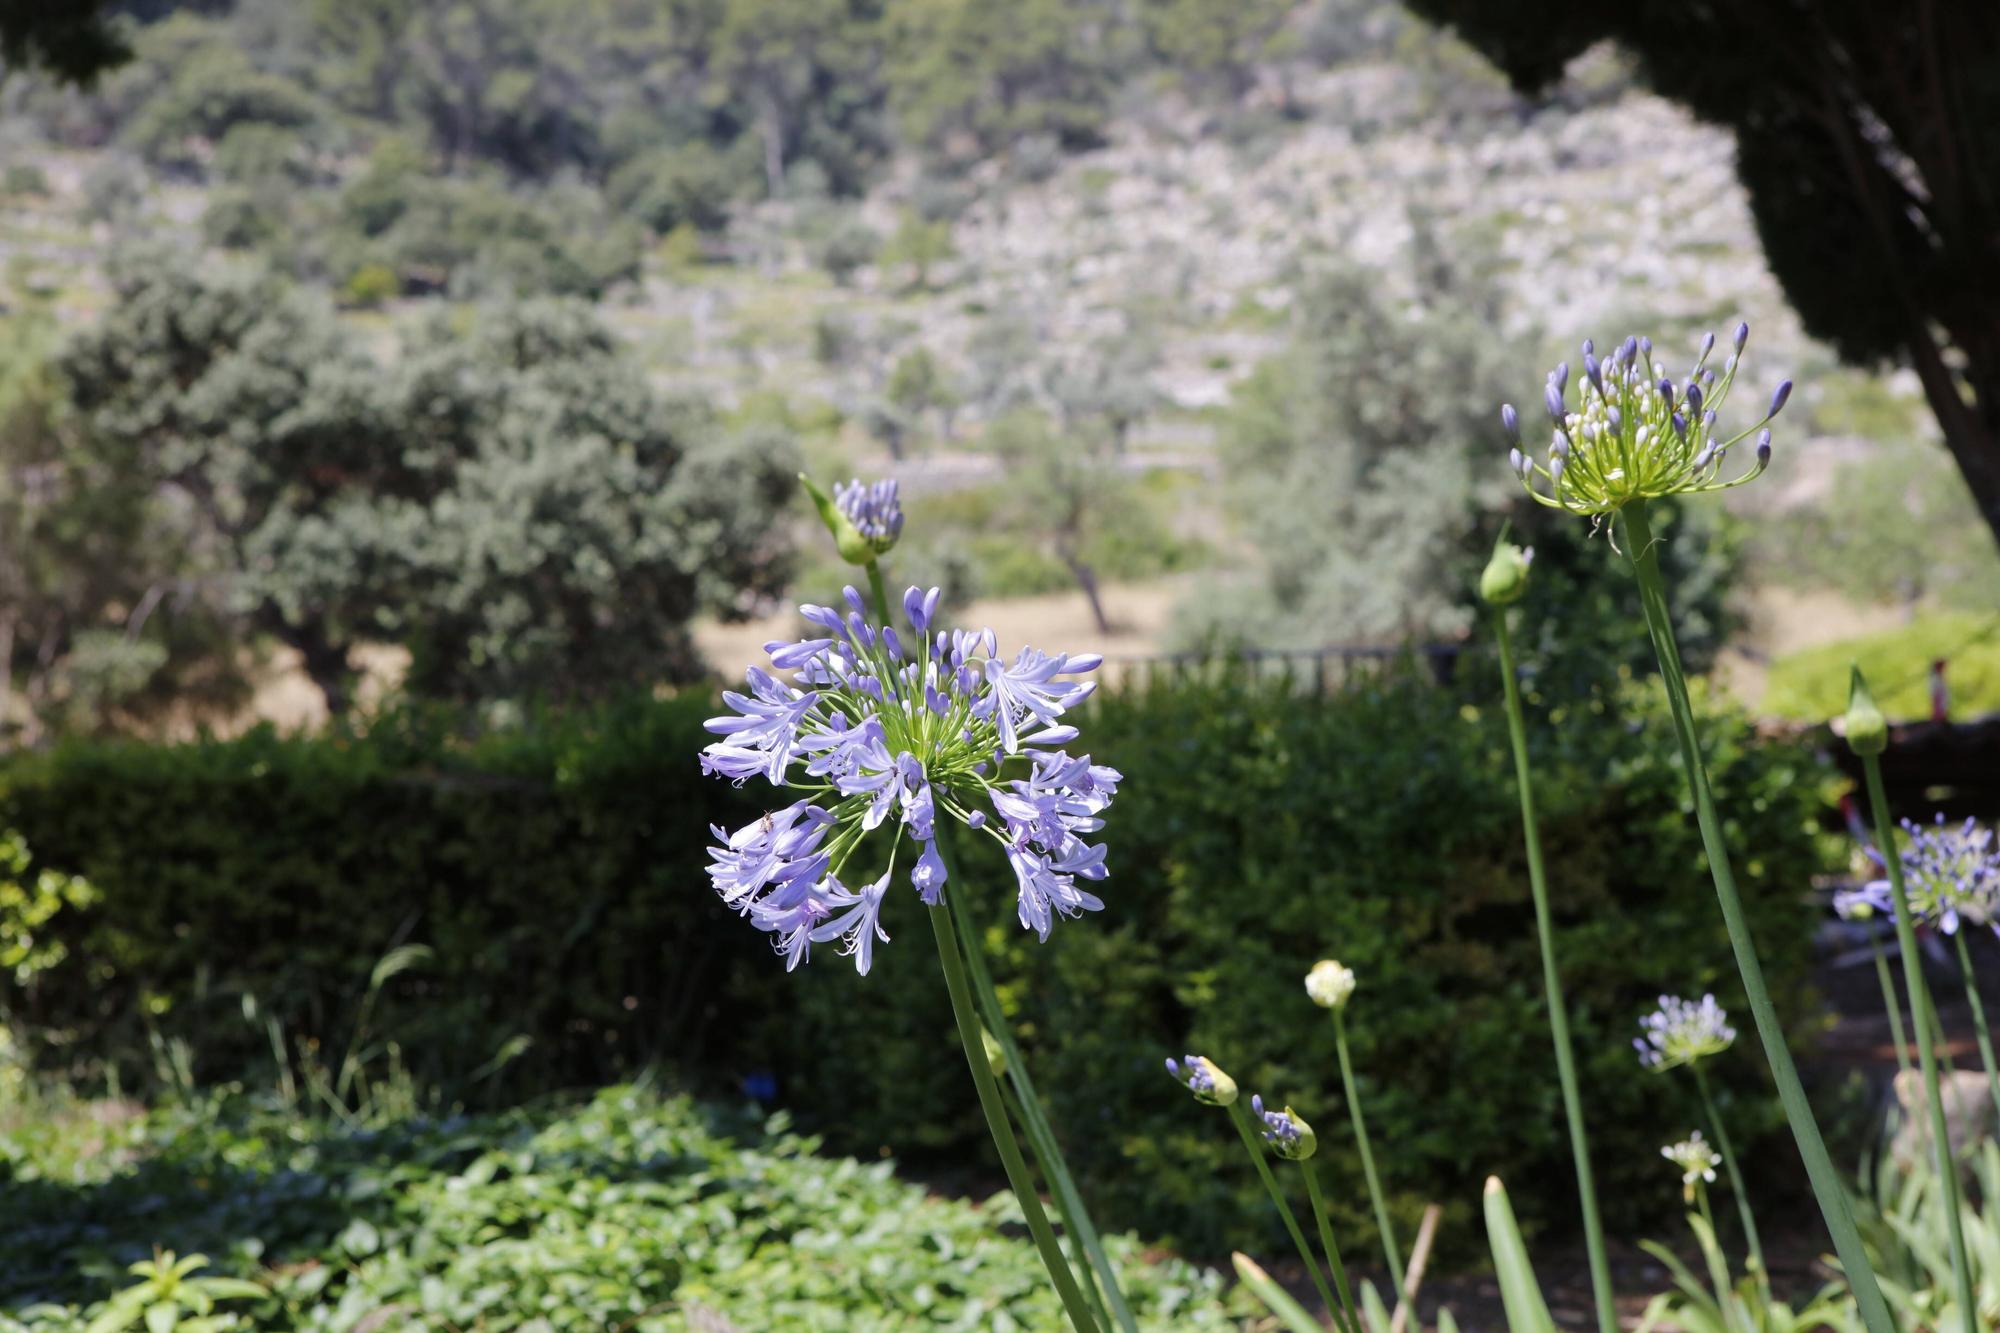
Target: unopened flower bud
pixel 1289 1136
pixel 1742 335
pixel 1503 583
pixel 1867 730
pixel 1510 421
pixel 1778 397
pixel 1329 984
pixel 1204 1078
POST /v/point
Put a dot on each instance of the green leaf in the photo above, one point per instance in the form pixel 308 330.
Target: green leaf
pixel 1275 1298
pixel 1520 1293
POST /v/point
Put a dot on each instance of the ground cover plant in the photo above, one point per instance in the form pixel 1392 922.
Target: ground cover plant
pixel 630 1209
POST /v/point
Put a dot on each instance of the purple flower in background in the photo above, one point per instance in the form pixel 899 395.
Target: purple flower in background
pixel 1681 1032
pixel 873 509
pixel 1951 874
pixel 890 731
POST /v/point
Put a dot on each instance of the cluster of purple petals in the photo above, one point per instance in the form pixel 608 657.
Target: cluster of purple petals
pixel 874 509
pixel 1951 873
pixel 1280 1130
pixel 1192 1072
pixel 903 726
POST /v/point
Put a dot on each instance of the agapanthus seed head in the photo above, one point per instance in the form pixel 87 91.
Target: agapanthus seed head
pixel 1330 984
pixel 1289 1136
pixel 1203 1078
pixel 1951 875
pixel 1635 435
pixel 1681 1032
pixel 1696 1160
pixel 886 733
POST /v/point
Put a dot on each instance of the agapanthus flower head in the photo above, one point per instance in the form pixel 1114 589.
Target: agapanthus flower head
pixel 1204 1078
pixel 1636 432
pixel 875 510
pixel 1951 873
pixel 1330 984
pixel 1697 1162
pixel 879 730
pixel 865 520
pixel 1681 1032
pixel 1289 1136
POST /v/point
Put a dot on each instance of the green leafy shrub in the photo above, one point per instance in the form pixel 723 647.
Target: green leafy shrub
pixel 370 286
pixel 629 1211
pixel 1255 834
pixel 1811 685
pixel 556 875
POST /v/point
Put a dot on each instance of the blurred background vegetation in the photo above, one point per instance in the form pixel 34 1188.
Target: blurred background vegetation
pixel 411 347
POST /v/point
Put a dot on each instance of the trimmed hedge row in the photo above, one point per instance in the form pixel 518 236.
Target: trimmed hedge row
pixel 556 873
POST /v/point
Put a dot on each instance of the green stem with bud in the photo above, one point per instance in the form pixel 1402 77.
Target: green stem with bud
pixel 1579 1143
pixel 1923 1015
pixel 1728 1152
pixel 1978 1013
pixel 1382 1223
pixel 1239 1116
pixel 1826 1184
pixel 1018 1178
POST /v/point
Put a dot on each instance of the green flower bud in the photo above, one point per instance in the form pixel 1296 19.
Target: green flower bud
pixel 1289 1136
pixel 1505 580
pixel 1329 984
pixel 854 548
pixel 1867 729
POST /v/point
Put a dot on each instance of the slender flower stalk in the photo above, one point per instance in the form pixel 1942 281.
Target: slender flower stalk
pixel 1750 1238
pixel 1041 1135
pixel 1857 907
pixel 1331 985
pixel 1291 1138
pixel 1867 736
pixel 1018 1179
pixel 1502 584
pixel 1978 1015
pixel 1828 1191
pixel 1208 1084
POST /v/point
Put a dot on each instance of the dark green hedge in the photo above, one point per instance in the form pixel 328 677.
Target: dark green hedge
pixel 558 875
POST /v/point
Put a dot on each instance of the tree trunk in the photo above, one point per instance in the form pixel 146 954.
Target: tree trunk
pixel 771 127
pixel 1086 579
pixel 326 665
pixel 1971 431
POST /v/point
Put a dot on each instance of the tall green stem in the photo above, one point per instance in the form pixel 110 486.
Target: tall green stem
pixel 1895 1009
pixel 1041 1135
pixel 1328 1247
pixel 1239 1116
pixel 1041 1151
pixel 1826 1185
pixel 1978 1013
pixel 1390 1252
pixel 1735 1181
pixel 1579 1144
pixel 1923 1016
pixel 1018 1178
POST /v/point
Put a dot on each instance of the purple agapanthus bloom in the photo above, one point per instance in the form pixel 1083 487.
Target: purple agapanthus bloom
pixel 888 730
pixel 1951 874
pixel 875 510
